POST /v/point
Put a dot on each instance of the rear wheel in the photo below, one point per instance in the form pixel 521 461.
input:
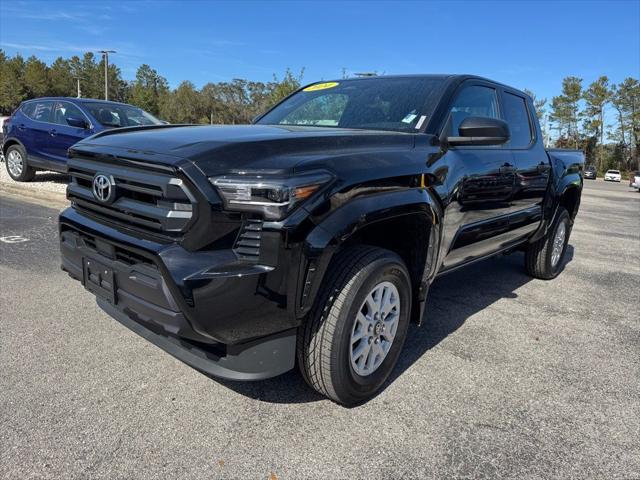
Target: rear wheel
pixel 353 337
pixel 543 258
pixel 17 167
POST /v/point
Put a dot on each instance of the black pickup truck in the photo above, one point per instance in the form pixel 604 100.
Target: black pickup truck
pixel 314 234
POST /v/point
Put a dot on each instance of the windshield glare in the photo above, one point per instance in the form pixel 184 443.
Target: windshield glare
pixel 116 115
pixel 400 104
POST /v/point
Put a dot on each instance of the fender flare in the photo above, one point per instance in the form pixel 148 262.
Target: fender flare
pixel 336 229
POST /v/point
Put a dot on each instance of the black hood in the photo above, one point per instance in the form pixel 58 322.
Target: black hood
pixel 218 149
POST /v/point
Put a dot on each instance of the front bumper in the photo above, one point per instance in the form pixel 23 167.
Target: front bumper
pixel 205 308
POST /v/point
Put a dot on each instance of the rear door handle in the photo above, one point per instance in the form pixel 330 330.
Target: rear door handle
pixel 21 126
pixel 53 132
pixel 542 167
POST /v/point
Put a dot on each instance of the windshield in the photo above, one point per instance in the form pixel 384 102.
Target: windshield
pixel 400 104
pixel 117 115
pixel 613 171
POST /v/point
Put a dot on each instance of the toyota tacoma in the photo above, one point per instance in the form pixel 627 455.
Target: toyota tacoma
pixel 312 236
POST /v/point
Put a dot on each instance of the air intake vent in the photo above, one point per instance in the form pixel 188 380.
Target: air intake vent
pixel 247 245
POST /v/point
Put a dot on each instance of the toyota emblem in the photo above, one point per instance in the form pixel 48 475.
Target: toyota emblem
pixel 104 188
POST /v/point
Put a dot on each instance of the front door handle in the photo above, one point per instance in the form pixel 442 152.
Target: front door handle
pixel 53 132
pixel 507 168
pixel 542 167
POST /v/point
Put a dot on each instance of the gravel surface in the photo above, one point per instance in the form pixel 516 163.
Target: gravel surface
pixel 44 181
pixel 510 377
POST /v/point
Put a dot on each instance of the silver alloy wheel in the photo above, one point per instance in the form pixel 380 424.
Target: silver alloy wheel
pixel 374 328
pixel 15 163
pixel 558 244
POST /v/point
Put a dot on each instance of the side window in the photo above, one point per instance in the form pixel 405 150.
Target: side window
pixel 29 109
pixel 473 101
pixel 40 111
pixel 517 116
pixel 66 110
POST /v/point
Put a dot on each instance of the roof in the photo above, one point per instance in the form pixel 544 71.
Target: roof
pixel 450 78
pixel 76 99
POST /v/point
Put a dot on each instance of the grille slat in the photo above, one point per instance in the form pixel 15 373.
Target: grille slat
pixel 247 246
pixel 147 200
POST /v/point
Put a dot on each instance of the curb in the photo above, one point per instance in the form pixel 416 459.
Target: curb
pixel 48 199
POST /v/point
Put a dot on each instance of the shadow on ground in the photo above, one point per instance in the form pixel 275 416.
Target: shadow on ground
pixel 453 298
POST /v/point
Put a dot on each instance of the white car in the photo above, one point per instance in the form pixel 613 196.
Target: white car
pixel 634 181
pixel 612 176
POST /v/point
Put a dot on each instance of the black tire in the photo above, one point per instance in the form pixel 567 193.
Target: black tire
pixel 25 173
pixel 324 339
pixel 538 255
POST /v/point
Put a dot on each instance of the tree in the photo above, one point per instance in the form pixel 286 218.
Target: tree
pixel 565 109
pixel 148 89
pixel 12 87
pixel 541 110
pixel 596 96
pixel 61 79
pixel 182 105
pixel 36 81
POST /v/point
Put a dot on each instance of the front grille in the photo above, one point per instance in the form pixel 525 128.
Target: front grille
pixel 247 246
pixel 153 201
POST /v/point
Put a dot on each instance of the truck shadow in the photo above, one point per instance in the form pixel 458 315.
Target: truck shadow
pixel 453 298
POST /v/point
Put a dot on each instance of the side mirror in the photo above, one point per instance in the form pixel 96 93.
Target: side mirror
pixel 481 131
pixel 77 122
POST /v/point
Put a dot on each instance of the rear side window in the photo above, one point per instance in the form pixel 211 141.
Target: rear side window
pixel 40 111
pixel 517 116
pixel 473 101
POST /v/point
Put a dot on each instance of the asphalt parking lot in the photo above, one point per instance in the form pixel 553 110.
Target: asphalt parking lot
pixel 510 377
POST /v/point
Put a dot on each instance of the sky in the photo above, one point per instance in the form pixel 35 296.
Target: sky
pixel 521 43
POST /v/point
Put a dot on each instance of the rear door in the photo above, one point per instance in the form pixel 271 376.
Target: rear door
pixel 64 135
pixel 40 126
pixel 532 167
pixel 480 181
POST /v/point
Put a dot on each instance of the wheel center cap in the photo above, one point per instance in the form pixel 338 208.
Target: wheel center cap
pixel 377 330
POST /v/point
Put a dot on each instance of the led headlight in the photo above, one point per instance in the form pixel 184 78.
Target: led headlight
pixel 272 196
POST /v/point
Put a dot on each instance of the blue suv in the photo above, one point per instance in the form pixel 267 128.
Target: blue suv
pixel 40 131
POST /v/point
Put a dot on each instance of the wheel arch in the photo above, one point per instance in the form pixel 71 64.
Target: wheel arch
pixel 405 222
pixel 10 142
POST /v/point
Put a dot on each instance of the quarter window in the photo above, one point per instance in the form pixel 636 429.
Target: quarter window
pixel 40 111
pixel 473 101
pixel 517 116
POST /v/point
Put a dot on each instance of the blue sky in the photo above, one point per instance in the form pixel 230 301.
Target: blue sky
pixel 526 44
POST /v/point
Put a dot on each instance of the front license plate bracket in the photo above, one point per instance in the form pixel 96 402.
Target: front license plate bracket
pixel 99 279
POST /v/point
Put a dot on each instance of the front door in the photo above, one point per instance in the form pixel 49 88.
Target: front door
pixel 63 135
pixel 479 183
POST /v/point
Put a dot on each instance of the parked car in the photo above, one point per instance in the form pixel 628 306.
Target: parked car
pixel 590 173
pixel 315 233
pixel 612 176
pixel 2 130
pixel 634 180
pixel 40 131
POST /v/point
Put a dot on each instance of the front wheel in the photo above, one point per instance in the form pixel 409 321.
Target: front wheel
pixel 354 334
pixel 543 258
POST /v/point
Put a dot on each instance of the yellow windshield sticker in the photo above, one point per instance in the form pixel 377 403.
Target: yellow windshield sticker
pixel 320 86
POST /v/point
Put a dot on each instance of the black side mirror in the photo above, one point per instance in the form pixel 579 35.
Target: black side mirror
pixel 481 131
pixel 77 122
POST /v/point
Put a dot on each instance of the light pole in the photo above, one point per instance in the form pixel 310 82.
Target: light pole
pixel 105 56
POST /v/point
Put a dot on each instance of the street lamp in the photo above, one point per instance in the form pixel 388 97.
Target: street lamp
pixel 105 56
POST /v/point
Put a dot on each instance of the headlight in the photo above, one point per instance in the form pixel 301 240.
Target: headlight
pixel 273 197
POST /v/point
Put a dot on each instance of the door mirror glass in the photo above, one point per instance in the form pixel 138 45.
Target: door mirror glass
pixel 481 131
